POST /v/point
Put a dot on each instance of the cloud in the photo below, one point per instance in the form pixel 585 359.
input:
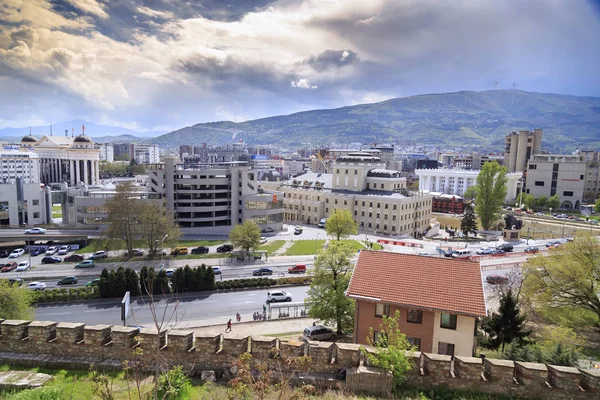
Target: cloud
pixel 154 13
pixel 332 59
pixel 92 7
pixel 303 83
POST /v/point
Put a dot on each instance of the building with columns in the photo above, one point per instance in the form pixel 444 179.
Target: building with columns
pixel 456 181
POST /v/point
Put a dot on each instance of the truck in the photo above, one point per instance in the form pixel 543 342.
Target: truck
pixel 297 269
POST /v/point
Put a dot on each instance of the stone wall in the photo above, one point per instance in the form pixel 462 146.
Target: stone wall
pixel 71 345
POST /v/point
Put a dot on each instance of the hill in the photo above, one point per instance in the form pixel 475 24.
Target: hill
pixel 474 119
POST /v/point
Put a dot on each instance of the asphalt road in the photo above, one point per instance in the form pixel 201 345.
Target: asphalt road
pixel 208 306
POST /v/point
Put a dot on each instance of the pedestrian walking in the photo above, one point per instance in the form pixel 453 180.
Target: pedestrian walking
pixel 228 329
pixel 264 308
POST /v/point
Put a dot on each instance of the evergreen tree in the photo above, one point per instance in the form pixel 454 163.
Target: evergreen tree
pixel 199 273
pixel 120 282
pixel 469 221
pixel 112 283
pixel 191 280
pixel 103 283
pixel 178 281
pixel 507 325
pixel 161 284
pixel 209 277
pixel 132 283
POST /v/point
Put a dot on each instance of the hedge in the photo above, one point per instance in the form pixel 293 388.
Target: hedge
pixel 296 280
pixel 244 283
pixel 60 295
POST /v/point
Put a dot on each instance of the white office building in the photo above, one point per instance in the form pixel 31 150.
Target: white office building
pixel 107 152
pixel 144 153
pixel 19 164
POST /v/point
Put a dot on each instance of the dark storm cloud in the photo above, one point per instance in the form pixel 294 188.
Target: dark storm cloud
pixel 332 59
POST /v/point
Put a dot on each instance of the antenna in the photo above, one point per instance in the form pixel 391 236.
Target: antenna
pixel 50 130
pixel 514 86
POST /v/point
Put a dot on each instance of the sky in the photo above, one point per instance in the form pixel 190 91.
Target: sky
pixel 159 65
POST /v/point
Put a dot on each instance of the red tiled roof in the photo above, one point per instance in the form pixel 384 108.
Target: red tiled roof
pixel 433 283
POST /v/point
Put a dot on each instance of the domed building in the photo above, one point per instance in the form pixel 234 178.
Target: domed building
pixel 28 140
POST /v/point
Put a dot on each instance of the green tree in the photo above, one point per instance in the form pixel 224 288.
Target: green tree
pixel 507 325
pixel 123 215
pixel 597 206
pixel 468 224
pixel 161 284
pixel 471 193
pixel 132 284
pixel 156 223
pixel 15 302
pixel 541 201
pixel 179 281
pixel 209 277
pixel 566 281
pixel 327 292
pixel 529 201
pixel 245 236
pixel 340 224
pixel 554 202
pixel 120 282
pixel 191 280
pixel 391 346
pixel 491 192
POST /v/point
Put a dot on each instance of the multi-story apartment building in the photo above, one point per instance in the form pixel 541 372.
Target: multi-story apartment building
pixel 520 147
pixel 144 153
pixel 562 175
pixel 107 152
pixel 359 183
pixel 212 198
pixel 25 204
pixel 19 164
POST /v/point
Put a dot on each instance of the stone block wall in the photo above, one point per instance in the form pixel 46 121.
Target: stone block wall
pixel 69 345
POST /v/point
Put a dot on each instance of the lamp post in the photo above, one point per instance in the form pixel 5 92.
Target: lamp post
pixel 528 236
pixel 162 253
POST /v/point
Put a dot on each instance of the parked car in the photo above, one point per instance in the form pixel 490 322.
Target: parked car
pixel 498 252
pixel 64 250
pixel 86 264
pixel 298 230
pixel 51 260
pixel 23 266
pixel 278 295
pixel 136 253
pixel 263 240
pixel 74 257
pixel 9 266
pixel 423 253
pixel 37 285
pixel 50 251
pixel 68 280
pixel 93 282
pixel 99 255
pixel 37 252
pixel 318 332
pixel 448 253
pixel 4 253
pixel 554 243
pixel 217 270
pixel 461 254
pixel 16 253
pixel 200 250
pixel 225 248
pixel 507 247
pixel 179 251
pixel 322 223
pixel 262 271
pixel 531 249
pixel 297 269
pixel 484 250
pixel 268 229
pixel 35 231
pixel 496 279
pixel 170 272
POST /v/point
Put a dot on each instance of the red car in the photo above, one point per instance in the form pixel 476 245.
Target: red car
pixel 74 257
pixel 496 279
pixel 9 267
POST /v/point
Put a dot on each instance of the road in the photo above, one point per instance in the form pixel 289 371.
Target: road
pixel 207 306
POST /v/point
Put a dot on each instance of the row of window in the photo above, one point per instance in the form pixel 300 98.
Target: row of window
pixel 415 316
pixel 443 347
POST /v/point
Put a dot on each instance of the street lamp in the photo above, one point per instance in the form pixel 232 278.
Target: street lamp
pixel 162 255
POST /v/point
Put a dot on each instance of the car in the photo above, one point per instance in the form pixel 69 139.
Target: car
pixel 484 250
pixel 9 266
pixel 23 266
pixel 507 247
pixel 68 280
pixel 51 260
pixel 554 243
pixel 498 252
pixel 216 270
pixel 531 249
pixel 225 248
pixel 318 332
pixel 64 250
pixel 4 253
pixel 16 253
pixel 200 250
pixel 74 257
pixel 539 213
pixel 262 271
pixel 298 231
pixel 169 272
pixel 268 229
pixel 85 264
pixel 263 240
pixel 15 281
pixel 99 255
pixel 423 253
pixel 448 253
pixel 50 251
pixel 297 269
pixel 178 251
pixel 37 285
pixel 496 279
pixel 37 252
pixel 93 282
pixel 322 223
pixel 278 295
pixel 136 253
pixel 35 231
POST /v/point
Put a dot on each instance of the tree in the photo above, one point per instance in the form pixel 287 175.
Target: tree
pixel 123 215
pixel 507 325
pixel 468 224
pixel 15 302
pixel 491 192
pixel 567 280
pixel 327 293
pixel 471 193
pixel 529 201
pixel 541 201
pixel 597 206
pixel 391 345
pixel 155 222
pixel 554 202
pixel 245 236
pixel 340 224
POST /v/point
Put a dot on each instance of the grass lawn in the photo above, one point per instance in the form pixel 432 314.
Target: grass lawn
pixel 118 244
pixel 272 247
pixel 56 211
pixel 305 248
pixel 198 243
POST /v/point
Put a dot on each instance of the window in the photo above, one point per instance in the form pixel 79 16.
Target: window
pixel 36 214
pixel 567 193
pixel 415 316
pixel 532 166
pixel 415 342
pixel 36 202
pixel 539 183
pixel 446 348
pixel 382 309
pixel 379 337
pixel 581 177
pixel 448 321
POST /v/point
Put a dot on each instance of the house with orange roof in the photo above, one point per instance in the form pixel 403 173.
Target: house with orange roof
pixel 440 299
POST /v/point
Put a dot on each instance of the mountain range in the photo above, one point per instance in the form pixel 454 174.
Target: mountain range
pixel 462 119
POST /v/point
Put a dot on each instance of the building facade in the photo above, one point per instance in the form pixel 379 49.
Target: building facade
pixel 19 164
pixel 520 147
pixel 144 153
pixel 24 204
pixel 107 152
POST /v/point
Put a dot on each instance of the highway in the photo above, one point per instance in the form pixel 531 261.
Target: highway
pixel 205 306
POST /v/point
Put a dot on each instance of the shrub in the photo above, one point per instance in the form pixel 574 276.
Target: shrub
pixel 73 296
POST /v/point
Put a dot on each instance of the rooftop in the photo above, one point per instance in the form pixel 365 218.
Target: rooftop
pixel 432 283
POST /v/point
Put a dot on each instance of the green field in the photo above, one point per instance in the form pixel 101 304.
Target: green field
pixel 119 244
pixel 56 212
pixel 305 247
pixel 198 243
pixel 272 247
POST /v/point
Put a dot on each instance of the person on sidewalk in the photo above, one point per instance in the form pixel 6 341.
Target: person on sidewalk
pixel 228 329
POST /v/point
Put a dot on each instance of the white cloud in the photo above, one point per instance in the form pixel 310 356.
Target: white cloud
pixel 90 6
pixel 154 13
pixel 303 84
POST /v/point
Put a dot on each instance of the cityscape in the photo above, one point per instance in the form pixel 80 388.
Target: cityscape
pixel 191 200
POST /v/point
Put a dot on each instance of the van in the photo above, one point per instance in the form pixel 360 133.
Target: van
pixel 461 254
pixel 322 223
pixel 318 332
pixel 297 269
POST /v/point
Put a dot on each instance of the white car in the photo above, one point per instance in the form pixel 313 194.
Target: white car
pixel 16 253
pixel 263 240
pixel 484 250
pixel 35 231
pixel 63 250
pixel 23 266
pixel 37 285
pixel 217 270
pixel 50 251
pixel 278 295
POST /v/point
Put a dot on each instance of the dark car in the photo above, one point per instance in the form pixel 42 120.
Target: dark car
pixel 554 243
pixel 68 280
pixel 224 248
pixel 448 253
pixel 531 249
pixel 200 250
pixel 38 251
pixel 507 247
pixel 51 260
pixel 136 253
pixel 4 253
pixel 262 271
pixel 74 257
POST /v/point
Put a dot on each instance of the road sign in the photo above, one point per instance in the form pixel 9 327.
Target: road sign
pixel 125 308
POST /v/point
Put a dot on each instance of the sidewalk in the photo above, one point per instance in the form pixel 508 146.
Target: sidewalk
pixel 247 326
